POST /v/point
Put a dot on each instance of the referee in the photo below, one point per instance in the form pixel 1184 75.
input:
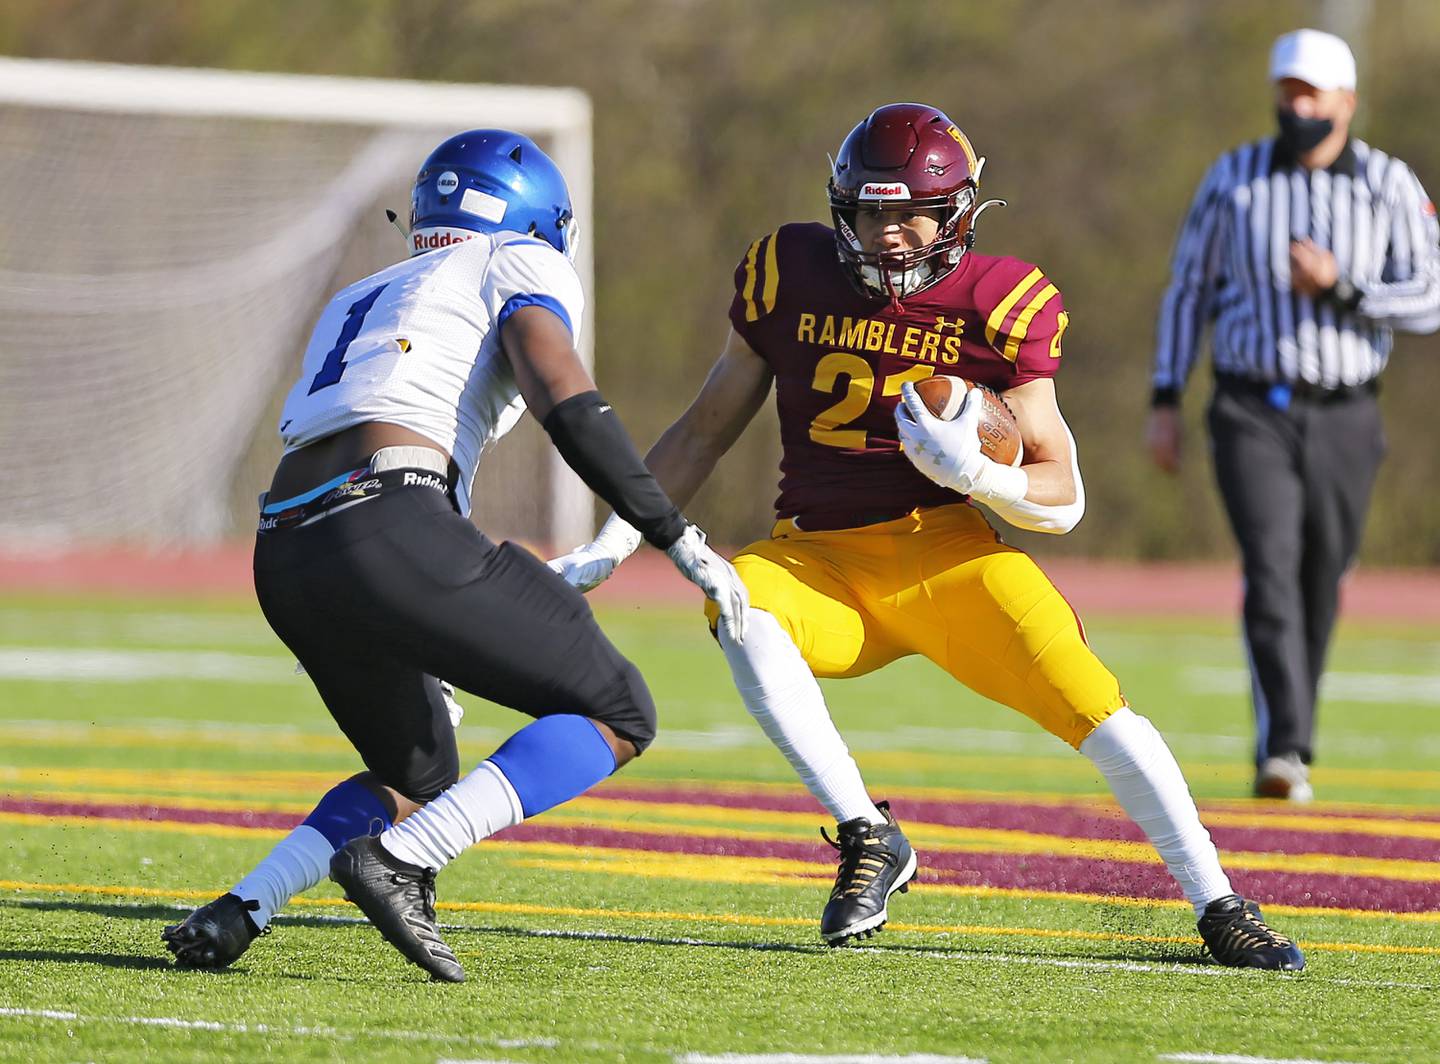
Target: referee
pixel 1305 250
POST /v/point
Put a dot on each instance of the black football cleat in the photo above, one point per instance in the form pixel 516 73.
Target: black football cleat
pixel 875 861
pixel 399 899
pixel 1237 936
pixel 214 935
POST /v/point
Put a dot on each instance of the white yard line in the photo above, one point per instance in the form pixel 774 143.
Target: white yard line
pixel 1236 1058
pixel 99 665
pixel 1385 688
pixel 815 1058
pixel 283 1030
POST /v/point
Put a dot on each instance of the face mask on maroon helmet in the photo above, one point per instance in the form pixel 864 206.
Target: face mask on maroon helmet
pixel 905 157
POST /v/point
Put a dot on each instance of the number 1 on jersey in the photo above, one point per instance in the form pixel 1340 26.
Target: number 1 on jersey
pixel 334 367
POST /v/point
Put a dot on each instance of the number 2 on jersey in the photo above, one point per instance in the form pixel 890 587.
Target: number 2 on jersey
pixel 858 391
pixel 334 367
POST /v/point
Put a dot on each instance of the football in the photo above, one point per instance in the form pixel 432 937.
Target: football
pixel 999 433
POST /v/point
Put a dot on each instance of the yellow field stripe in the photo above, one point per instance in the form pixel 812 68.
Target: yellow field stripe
pixel 1022 323
pixel 233 739
pixel 187 799
pixel 623 815
pixel 1097 801
pixel 925 836
pixel 789 872
pixel 1003 308
pixel 163 801
pixel 1340 825
pixel 742 919
pixel 906 761
pixel 179 781
pixel 169 827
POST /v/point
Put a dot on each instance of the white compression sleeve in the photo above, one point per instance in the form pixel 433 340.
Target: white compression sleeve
pixel 782 695
pixel 1034 517
pixel 479 805
pixel 1148 783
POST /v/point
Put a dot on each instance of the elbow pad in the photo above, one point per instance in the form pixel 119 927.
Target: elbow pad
pixel 1034 517
pixel 589 436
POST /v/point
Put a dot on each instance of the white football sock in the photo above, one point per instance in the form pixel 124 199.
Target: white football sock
pixel 299 861
pixel 474 809
pixel 781 693
pixel 1147 781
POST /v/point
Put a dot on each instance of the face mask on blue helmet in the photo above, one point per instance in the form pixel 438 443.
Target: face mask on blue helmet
pixel 489 181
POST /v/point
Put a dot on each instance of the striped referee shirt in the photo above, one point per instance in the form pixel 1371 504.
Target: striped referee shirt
pixel 1232 267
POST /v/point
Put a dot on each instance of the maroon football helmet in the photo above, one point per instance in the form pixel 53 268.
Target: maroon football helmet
pixel 906 157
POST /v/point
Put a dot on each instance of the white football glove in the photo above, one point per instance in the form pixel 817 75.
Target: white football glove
pixel 713 575
pixel 948 452
pixel 590 566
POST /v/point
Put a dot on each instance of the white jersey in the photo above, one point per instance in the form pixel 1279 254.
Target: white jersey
pixel 418 345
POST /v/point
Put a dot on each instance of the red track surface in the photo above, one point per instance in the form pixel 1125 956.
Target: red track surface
pixel 1407 595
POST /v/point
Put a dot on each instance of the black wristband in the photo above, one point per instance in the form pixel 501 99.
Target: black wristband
pixel 592 441
pixel 1165 397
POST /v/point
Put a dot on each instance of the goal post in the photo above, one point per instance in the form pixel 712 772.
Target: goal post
pixel 169 236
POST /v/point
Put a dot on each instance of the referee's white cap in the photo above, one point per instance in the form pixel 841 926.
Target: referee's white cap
pixel 1314 57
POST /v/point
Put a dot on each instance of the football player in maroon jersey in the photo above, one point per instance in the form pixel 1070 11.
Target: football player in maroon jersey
pixel 879 550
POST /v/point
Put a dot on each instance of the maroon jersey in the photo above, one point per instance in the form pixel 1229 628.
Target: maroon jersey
pixel 839 359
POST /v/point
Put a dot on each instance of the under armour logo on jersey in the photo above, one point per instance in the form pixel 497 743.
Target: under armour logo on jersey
pixel 942 323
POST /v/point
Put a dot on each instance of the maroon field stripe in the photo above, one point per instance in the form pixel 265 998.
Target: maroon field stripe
pixel 243 818
pixel 1083 876
pixel 939 810
pixel 1079 875
pixel 1015 871
pixel 1067 820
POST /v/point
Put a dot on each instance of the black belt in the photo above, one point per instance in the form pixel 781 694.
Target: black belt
pixel 1282 393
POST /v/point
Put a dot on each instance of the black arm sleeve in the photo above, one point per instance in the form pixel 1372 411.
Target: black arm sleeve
pixel 592 441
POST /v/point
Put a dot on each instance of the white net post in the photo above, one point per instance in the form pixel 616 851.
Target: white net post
pixel 168 238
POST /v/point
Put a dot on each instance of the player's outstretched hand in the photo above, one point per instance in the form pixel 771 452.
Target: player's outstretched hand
pixel 948 452
pixel 590 566
pixel 584 567
pixel 713 575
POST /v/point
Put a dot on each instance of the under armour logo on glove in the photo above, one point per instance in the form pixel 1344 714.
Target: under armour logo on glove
pixel 948 452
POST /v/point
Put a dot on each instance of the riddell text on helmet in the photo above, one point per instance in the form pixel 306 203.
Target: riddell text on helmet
pixel 878 190
pixel 439 238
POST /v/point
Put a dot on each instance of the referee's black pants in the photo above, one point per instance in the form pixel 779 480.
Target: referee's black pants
pixel 1296 480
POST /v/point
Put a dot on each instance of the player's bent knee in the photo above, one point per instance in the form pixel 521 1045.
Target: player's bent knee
pixel 423 777
pixel 628 709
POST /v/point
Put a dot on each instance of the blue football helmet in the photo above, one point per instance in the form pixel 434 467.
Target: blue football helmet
pixel 486 181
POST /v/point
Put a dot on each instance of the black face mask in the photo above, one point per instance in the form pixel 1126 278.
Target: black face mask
pixel 1300 135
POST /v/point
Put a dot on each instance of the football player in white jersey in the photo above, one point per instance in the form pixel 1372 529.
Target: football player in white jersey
pixel 368 568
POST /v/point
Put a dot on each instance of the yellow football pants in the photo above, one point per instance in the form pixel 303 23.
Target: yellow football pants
pixel 935 582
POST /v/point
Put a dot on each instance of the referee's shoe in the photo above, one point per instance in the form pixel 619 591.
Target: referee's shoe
pixel 1237 936
pixel 399 899
pixel 875 861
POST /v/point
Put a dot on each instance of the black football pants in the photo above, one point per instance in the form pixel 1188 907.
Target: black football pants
pixel 1296 484
pixel 379 599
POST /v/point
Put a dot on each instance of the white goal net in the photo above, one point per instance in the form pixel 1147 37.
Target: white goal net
pixel 167 239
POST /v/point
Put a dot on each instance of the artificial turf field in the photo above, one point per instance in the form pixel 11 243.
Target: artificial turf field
pixel 150 752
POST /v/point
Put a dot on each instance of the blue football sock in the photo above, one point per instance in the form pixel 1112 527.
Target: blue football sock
pixel 553 760
pixel 348 811
pixel 302 859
